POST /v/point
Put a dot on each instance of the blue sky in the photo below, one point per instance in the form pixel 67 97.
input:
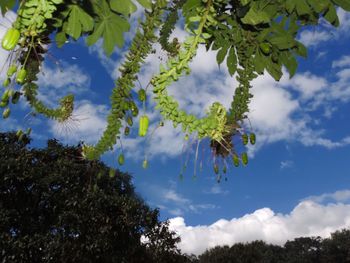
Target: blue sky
pixel 297 182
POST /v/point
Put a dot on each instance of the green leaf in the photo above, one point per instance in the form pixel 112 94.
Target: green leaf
pixel 111 29
pixel 331 16
pixel 259 62
pixel 301 49
pixel 232 61
pixel 273 69
pixel 284 41
pixel 61 39
pixel 318 6
pixel 124 7
pixel 290 62
pixel 302 7
pixel 78 21
pixel 255 17
pixel 145 3
pixel 220 56
pixel 345 4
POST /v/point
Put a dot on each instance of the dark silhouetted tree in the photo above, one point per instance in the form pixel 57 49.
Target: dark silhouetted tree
pixel 57 207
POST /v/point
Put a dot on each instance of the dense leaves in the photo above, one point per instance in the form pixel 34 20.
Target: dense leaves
pixel 254 37
pixel 56 207
pixel 335 249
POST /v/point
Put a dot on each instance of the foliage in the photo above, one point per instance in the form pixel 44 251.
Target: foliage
pixel 252 36
pixel 335 249
pixel 57 207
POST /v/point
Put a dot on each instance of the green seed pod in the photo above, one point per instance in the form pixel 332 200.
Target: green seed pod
pixel 252 138
pixel 29 131
pixel 6 95
pixel 245 139
pixel 111 173
pixel 161 123
pixel 134 109
pixel 15 97
pixel 6 113
pixel 6 82
pixel 245 158
pixel 143 127
pixel 224 169
pixel 142 95
pixel 129 121
pixel 145 164
pixel 216 169
pixel 11 70
pixel 265 48
pixel 186 137
pixel 21 76
pixel 235 160
pixel 121 159
pixel 10 39
pixel 126 131
pixel 19 133
pixel 4 103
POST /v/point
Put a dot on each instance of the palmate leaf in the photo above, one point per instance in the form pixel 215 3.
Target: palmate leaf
pixel 79 21
pixel 109 26
pixel 345 4
pixel 6 5
pixel 145 3
pixel 125 7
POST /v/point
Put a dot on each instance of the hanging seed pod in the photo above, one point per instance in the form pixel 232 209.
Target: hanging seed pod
pixel 10 39
pixel 224 169
pixel 21 76
pixel 126 131
pixel 245 139
pixel 252 138
pixel 142 95
pixel 145 164
pixel 144 122
pixel 216 169
pixel 15 97
pixel 235 160
pixel 11 70
pixel 245 158
pixel 6 95
pixel 6 82
pixel 6 113
pixel 111 173
pixel 134 109
pixel 129 121
pixel 121 159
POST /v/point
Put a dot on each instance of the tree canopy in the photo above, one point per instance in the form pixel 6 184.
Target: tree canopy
pixel 252 36
pixel 57 207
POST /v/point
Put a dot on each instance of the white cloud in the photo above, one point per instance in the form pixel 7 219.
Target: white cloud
pixel 338 196
pixel 313 38
pixel 216 189
pixel 344 61
pixel 308 218
pixel 326 32
pixel 286 164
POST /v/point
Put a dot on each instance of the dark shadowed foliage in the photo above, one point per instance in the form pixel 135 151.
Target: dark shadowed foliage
pixel 57 207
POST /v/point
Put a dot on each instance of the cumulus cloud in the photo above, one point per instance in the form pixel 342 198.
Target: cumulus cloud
pixel 338 196
pixel 308 218
pixel 325 32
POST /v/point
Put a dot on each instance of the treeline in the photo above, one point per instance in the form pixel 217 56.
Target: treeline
pixel 55 206
pixel 335 249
